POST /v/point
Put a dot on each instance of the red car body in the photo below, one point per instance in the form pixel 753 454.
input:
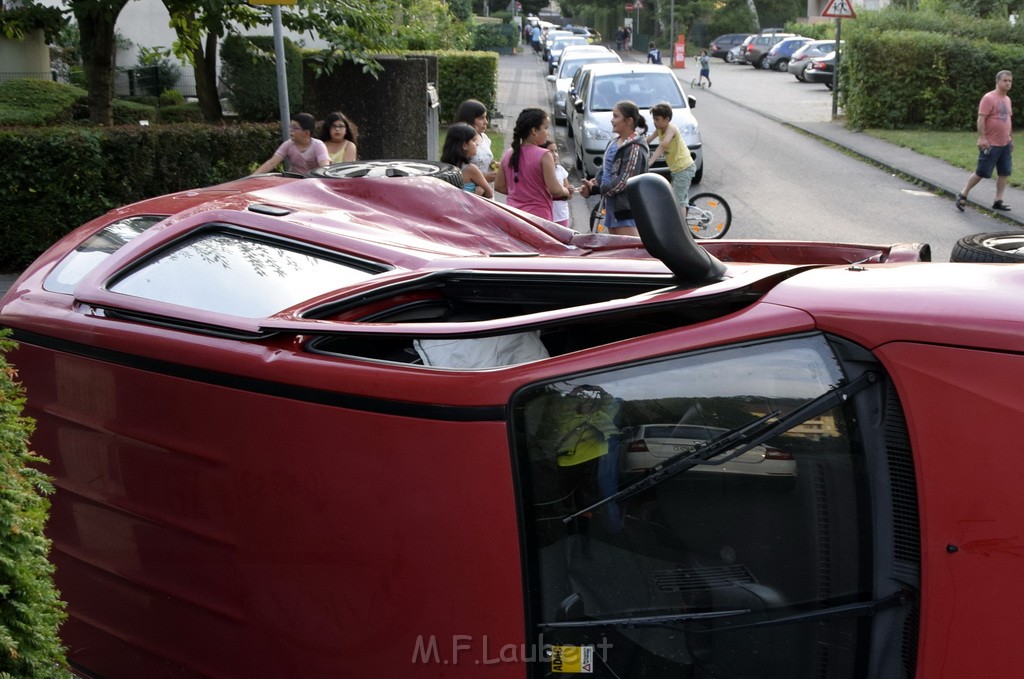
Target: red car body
pixel 286 494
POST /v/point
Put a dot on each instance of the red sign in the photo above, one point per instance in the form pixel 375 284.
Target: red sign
pixel 839 9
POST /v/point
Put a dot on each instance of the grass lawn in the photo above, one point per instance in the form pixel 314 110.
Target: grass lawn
pixel 956 148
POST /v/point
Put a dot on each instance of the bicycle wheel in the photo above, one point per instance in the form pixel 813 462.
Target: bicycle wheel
pixel 708 216
pixel 597 217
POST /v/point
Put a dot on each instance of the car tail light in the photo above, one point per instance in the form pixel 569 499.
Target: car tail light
pixel 817 66
pixel 750 47
pixel 776 454
pixel 714 47
pixel 637 446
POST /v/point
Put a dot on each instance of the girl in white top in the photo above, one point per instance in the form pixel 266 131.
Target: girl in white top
pixel 559 208
pixel 302 151
pixel 472 112
pixel 339 134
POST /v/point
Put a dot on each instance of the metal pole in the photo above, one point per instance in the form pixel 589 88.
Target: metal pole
pixel 282 75
pixel 835 73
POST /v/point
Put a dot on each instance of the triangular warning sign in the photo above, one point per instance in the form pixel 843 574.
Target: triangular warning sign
pixel 839 9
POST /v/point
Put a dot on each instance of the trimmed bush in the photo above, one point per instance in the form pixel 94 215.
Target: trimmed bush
pixel 467 75
pixel 37 102
pixel 500 38
pixel 250 75
pixel 31 611
pixel 181 113
pixel 171 98
pixel 91 170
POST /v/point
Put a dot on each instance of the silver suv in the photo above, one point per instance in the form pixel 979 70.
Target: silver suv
pixel 758 48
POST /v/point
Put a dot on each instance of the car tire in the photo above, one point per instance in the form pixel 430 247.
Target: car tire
pixel 996 248
pixel 800 76
pixel 782 65
pixel 762 63
pixel 699 174
pixel 729 58
pixel 391 168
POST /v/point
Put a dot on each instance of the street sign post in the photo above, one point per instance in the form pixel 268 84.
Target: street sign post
pixel 282 74
pixel 838 10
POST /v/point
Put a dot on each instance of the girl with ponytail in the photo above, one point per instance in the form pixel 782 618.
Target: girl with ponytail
pixel 527 175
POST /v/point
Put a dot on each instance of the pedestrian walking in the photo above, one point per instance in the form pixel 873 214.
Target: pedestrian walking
pixel 620 38
pixel 995 142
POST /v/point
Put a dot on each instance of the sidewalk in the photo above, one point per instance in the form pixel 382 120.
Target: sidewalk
pixel 521 84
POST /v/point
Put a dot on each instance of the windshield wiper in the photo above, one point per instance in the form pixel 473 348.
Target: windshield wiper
pixel 735 442
pixel 830 612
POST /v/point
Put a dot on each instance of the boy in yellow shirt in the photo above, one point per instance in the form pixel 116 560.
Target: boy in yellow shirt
pixel 672 146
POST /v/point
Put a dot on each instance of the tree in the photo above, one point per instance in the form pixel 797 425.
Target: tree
pixel 96 19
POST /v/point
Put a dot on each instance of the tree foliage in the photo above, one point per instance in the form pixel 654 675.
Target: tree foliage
pixel 30 609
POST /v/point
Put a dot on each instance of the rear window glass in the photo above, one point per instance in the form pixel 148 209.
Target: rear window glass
pixel 87 256
pixel 238 274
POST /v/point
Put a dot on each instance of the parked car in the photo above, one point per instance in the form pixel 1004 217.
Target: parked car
pixel 821 70
pixel 555 51
pixel 649 445
pixel 757 49
pixel 550 39
pixel 592 35
pixel 569 63
pixel 738 54
pixel 604 85
pixel 780 54
pixel 362 424
pixel 722 46
pixel 816 48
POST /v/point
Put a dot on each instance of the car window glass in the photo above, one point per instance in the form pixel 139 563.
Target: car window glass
pixel 237 274
pixel 643 89
pixel 761 532
pixel 87 256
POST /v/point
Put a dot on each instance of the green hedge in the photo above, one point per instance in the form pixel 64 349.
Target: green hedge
pixel 31 611
pixel 37 102
pixel 927 72
pixel 499 38
pixel 467 75
pixel 249 71
pixel 91 170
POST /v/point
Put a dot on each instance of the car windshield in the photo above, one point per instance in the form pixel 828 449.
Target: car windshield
pixel 643 89
pixel 754 536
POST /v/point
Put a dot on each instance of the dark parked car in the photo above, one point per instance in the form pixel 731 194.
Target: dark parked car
pixel 365 424
pixel 779 55
pixel 721 45
pixel 821 70
pixel 757 49
pixel 738 54
pixel 815 48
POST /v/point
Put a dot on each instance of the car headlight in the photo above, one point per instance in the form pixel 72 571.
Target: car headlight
pixel 689 129
pixel 592 131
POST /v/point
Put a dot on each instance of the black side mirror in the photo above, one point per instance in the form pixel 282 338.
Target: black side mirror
pixel 664 234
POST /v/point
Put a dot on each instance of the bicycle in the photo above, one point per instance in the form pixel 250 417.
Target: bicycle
pixel 708 216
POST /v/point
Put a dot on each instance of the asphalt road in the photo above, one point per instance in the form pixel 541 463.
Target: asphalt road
pixel 784 184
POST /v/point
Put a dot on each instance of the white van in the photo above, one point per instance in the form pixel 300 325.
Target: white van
pixel 604 85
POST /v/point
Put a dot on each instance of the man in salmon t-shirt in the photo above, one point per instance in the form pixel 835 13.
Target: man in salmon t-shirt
pixel 995 142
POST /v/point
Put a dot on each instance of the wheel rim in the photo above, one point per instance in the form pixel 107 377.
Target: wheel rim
pixel 782 65
pixel 398 168
pixel 1010 245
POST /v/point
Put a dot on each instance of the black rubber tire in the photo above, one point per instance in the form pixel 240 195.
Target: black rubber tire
pixel 729 58
pixel 996 248
pixel 782 65
pixel 722 216
pixel 391 168
pixel 699 175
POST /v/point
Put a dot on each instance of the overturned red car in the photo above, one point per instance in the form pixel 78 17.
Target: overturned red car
pixel 378 426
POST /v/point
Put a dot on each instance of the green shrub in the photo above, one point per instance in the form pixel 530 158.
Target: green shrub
pixel 107 168
pixel 171 98
pixel 37 102
pixel 496 37
pixel 30 608
pixel 938 78
pixel 467 75
pixel 250 76
pixel 130 113
pixel 181 113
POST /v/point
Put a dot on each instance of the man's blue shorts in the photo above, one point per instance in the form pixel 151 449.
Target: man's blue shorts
pixel 998 158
